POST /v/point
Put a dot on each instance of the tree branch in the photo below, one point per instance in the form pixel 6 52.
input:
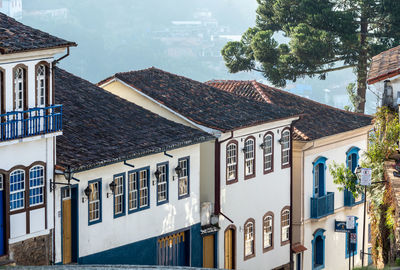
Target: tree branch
pixel 329 70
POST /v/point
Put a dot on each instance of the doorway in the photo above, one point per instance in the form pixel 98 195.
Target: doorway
pixel 69 201
pixel 208 251
pixel 2 216
pixel 230 250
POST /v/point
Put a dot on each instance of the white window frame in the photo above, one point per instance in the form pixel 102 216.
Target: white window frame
pixel 21 190
pixel 268 152
pixel 231 161
pixel 19 88
pixel 249 155
pixel 183 178
pixel 162 183
pixel 41 85
pixel 267 231
pixel 144 188
pixel 285 216
pixel 249 247
pixel 133 201
pixel 285 147
pixel 119 195
pixel 94 201
pixel 35 188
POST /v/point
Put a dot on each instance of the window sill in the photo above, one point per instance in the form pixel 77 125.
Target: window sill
pixel 230 182
pixel 284 166
pixel 138 210
pixel 268 249
pixel 163 202
pixel 94 222
pixel 283 243
pixel 247 177
pixel 268 171
pixel 183 196
pixel 249 257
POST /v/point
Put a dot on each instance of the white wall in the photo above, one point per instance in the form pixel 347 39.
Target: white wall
pixel 253 198
pixel 335 242
pixel 157 220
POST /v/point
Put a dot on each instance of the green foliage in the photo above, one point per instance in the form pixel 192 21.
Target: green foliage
pixel 345 178
pixel 324 36
pixel 354 99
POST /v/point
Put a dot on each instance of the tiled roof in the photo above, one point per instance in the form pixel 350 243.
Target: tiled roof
pixel 17 37
pixel 100 128
pixel 199 102
pixel 384 65
pixel 317 121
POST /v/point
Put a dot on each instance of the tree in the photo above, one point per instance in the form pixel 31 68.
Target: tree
pixel 324 36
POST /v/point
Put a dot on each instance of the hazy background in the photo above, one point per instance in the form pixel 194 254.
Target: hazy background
pixel 180 36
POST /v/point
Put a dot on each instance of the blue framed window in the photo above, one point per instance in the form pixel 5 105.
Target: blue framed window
pixel 352 158
pixel 319 175
pixel 162 183
pixel 138 189
pixel 17 190
pixel 184 178
pixel 353 247
pixel 119 195
pixel 318 250
pixel 36 185
pixel 94 202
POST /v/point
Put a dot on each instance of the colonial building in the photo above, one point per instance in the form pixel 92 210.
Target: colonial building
pixel 323 135
pixel 245 173
pixel 30 122
pixel 134 190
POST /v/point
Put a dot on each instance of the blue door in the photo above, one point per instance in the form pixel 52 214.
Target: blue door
pixel 174 249
pixel 2 225
pixel 319 251
pixel 321 179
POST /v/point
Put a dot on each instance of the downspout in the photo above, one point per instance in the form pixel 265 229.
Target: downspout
pixel 217 174
pixel 291 196
pixel 54 63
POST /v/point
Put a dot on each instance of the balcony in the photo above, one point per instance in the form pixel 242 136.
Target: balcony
pixel 32 122
pixel 349 199
pixel 323 205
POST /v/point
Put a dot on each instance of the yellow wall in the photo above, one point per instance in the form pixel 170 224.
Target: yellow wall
pixel 125 92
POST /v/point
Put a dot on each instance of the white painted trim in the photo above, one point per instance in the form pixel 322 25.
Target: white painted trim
pixel 27 236
pixel 49 59
pixel 30 139
pixel 46 53
pixel 214 132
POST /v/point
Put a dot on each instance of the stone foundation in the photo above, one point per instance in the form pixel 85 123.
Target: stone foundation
pixel 33 251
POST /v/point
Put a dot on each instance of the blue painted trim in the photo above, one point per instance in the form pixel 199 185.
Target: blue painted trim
pixel 347 243
pixel 319 232
pixel 100 202
pixel 167 175
pixel 188 169
pixel 123 197
pixel 353 150
pixel 319 160
pixel 139 208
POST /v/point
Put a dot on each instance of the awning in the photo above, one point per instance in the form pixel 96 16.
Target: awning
pixel 298 248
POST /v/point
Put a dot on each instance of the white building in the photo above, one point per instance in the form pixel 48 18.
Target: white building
pixel 135 193
pixel 323 135
pixel 30 122
pixel 245 172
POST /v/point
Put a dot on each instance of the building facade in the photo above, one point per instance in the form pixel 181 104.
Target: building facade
pixel 30 122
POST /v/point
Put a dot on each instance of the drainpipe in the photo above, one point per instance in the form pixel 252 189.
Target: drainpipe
pixel 217 174
pixel 291 195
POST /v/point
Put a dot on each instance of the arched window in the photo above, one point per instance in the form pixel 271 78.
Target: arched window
pixel 20 88
pixel 268 147
pixel 36 185
pixel 268 231
pixel 249 239
pixel 249 158
pixel 352 158
pixel 319 170
pixel 318 250
pixel 17 190
pixel 41 85
pixel 231 162
pixel 285 225
pixel 285 148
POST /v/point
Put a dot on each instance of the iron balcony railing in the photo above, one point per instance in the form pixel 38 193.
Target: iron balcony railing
pixel 32 122
pixel 349 199
pixel 323 206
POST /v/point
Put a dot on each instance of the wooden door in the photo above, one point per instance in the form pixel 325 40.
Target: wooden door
pixel 2 220
pixel 67 230
pixel 208 251
pixel 229 249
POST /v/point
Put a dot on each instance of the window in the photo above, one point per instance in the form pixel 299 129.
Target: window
pixel 119 195
pixel 318 250
pixel 17 190
pixel 1 182
pixel 285 144
pixel 41 85
pixel 95 202
pixel 183 178
pixel 36 185
pixel 268 223
pixel 249 245
pixel 285 226
pixel 231 162
pixel 162 184
pixel 19 88
pixel 2 93
pixel 138 190
pixel 352 158
pixel 268 152
pixel 249 157
pixel 319 169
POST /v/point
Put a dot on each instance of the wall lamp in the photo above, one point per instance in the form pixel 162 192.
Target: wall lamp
pixel 157 174
pixel 68 175
pixel 112 186
pixel 178 171
pixel 263 146
pixel 87 192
